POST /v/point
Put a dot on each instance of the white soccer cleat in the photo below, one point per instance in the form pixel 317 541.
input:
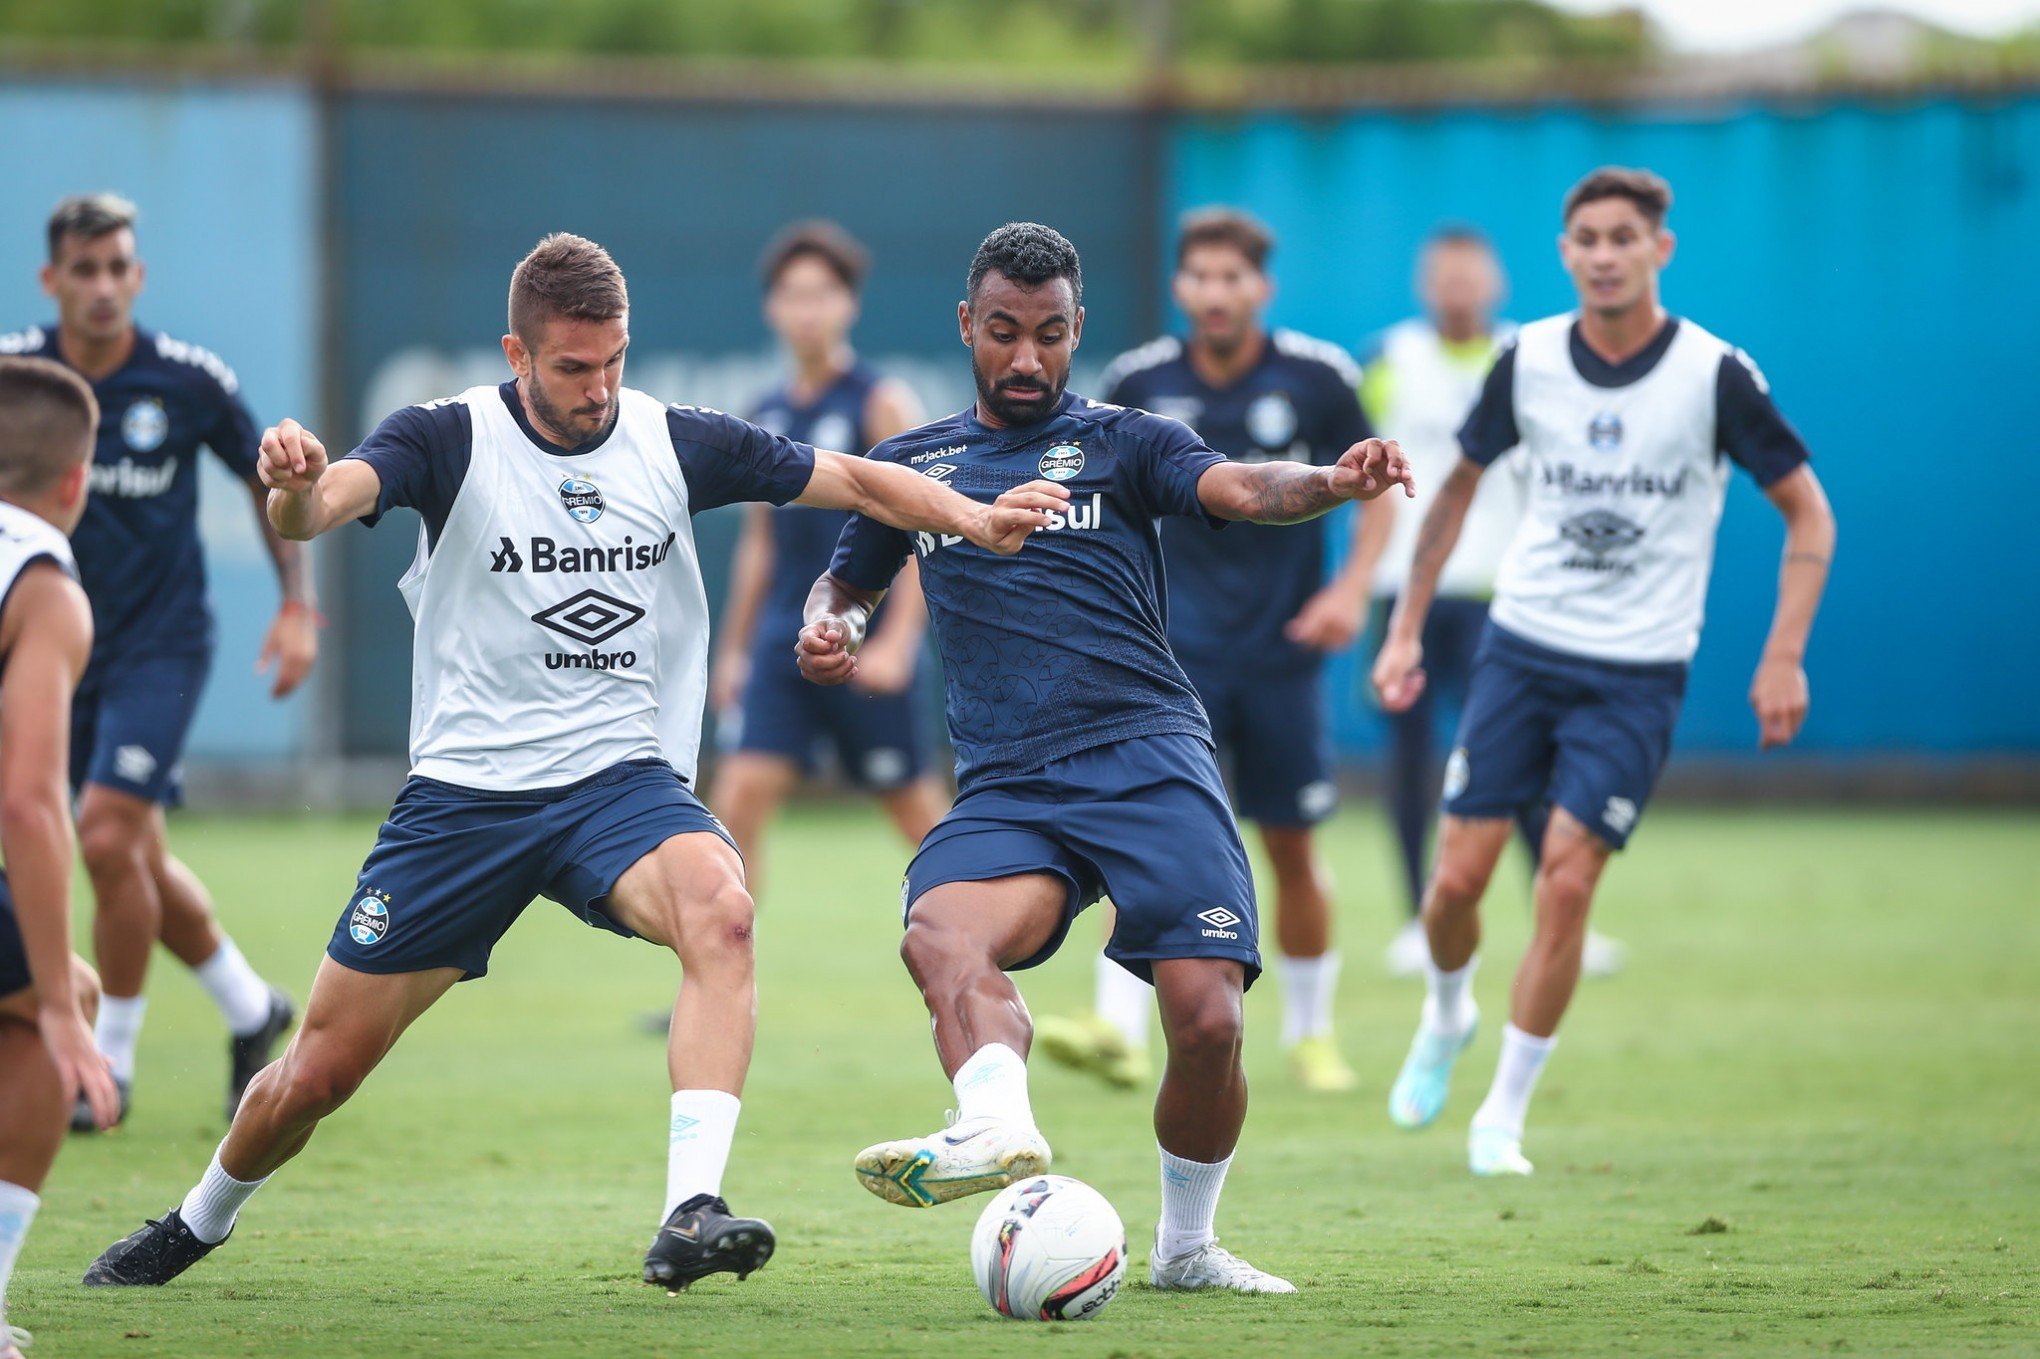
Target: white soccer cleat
pixel 971 1157
pixel 1496 1151
pixel 13 1340
pixel 1409 951
pixel 1420 1088
pixel 1602 956
pixel 1211 1266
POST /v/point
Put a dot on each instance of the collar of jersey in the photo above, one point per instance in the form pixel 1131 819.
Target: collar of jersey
pixel 1017 433
pixel 539 441
pixel 1600 373
pixel 835 385
pixel 1268 355
pixel 51 349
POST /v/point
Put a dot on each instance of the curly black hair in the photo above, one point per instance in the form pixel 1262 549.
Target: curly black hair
pixel 1030 254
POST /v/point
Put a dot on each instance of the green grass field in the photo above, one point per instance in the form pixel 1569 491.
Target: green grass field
pixel 1806 1119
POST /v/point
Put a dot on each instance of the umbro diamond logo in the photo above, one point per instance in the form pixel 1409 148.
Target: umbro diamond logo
pixel 941 471
pixel 1221 921
pixel 589 617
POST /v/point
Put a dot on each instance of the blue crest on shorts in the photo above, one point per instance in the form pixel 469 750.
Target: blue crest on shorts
pixel 370 919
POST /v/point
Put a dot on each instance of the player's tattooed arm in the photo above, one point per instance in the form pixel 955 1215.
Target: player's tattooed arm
pixel 1291 492
pixel 836 617
pixel 1398 677
pixel 306 495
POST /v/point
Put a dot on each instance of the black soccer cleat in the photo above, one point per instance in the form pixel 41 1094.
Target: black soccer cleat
pixel 81 1112
pixel 158 1253
pixel 701 1238
pixel 249 1053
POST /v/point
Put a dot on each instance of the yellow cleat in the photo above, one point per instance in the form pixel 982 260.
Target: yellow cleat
pixel 1317 1065
pixel 1091 1044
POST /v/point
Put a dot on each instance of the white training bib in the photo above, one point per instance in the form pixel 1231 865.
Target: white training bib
pixel 560 620
pixel 1625 493
pixel 27 538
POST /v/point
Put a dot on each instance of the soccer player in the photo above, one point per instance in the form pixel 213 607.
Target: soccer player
pixel 47 1057
pixel 1629 419
pixel 1084 758
pixel 141 564
pixel 558 672
pixel 812 273
pixel 1251 618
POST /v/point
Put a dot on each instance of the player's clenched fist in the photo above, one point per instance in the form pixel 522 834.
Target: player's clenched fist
pixel 292 457
pixel 1370 467
pixel 824 651
pixel 1023 510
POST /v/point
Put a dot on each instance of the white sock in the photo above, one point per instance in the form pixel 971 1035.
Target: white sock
pixel 1309 985
pixel 242 996
pixel 993 1084
pixel 1508 1099
pixel 17 1212
pixel 215 1201
pixel 1189 1204
pixel 1448 997
pixel 1124 1001
pixel 118 1029
pixel 698 1144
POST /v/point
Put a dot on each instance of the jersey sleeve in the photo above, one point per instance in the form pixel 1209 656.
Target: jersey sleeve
pixel 1749 427
pixel 420 455
pixel 233 436
pixel 1490 429
pixel 725 461
pixel 1167 460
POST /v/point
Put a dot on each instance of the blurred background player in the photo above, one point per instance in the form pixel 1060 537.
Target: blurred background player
pixel 141 564
pixel 1630 419
pixel 1424 378
pixel 1251 617
pixel 47 1056
pixel 1085 763
pixel 773 721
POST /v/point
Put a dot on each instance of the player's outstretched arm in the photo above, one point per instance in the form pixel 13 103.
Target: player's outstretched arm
pixel 836 617
pixel 1398 677
pixel 307 495
pixel 1779 693
pixel 907 500
pixel 45 636
pixel 1291 492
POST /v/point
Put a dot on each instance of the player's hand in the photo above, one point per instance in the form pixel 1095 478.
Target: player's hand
pixel 884 669
pixel 1780 696
pixel 81 1068
pixel 1003 525
pixel 292 457
pixel 726 681
pixel 1329 620
pixel 824 653
pixel 1398 673
pixel 290 647
pixel 1370 467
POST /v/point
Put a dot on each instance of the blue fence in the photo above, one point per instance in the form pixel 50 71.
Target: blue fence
pixel 1875 259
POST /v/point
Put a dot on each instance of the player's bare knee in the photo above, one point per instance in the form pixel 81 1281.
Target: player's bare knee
pixel 1456 886
pixel 1565 893
pixel 717 929
pixel 308 1085
pixel 111 848
pixel 939 954
pixel 85 985
pixel 1206 1032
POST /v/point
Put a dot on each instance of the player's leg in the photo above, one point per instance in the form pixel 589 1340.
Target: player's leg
pixel 881 741
pixel 749 787
pixel 113 834
pixel 1111 1041
pixel 915 807
pixel 962 937
pixel 352 1020
pixel 1411 800
pixel 765 755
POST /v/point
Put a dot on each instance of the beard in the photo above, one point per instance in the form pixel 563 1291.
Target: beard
pixel 1010 412
pixel 560 423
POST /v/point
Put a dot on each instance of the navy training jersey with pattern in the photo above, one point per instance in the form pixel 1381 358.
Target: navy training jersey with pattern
pixel 1231 595
pixel 137 546
pixel 1063 646
pixel 804 536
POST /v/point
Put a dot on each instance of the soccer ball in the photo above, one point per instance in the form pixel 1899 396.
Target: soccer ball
pixel 1049 1248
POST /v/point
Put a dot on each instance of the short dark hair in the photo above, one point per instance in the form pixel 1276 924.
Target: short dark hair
pixel 1242 231
pixel 817 239
pixel 47 415
pixel 1459 233
pixel 565 275
pixel 89 215
pixel 1648 191
pixel 1030 254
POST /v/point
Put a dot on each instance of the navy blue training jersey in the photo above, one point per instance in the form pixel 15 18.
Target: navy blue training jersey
pixel 803 536
pixel 137 546
pixel 1231 595
pixel 1064 646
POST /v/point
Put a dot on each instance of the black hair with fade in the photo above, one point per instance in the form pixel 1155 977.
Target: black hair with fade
pixel 1030 254
pixel 89 216
pixel 1459 233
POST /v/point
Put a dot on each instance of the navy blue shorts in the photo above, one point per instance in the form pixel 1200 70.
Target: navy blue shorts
pixel 1277 745
pixel 453 868
pixel 880 740
pixel 129 719
pixel 1542 728
pixel 1144 820
pixel 13 954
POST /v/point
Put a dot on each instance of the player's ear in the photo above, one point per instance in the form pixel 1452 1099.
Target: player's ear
pixel 72 485
pixel 518 356
pixel 963 321
pixel 1666 244
pixel 1077 329
pixel 48 276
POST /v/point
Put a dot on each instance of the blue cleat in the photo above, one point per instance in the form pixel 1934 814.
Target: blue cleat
pixel 1426 1076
